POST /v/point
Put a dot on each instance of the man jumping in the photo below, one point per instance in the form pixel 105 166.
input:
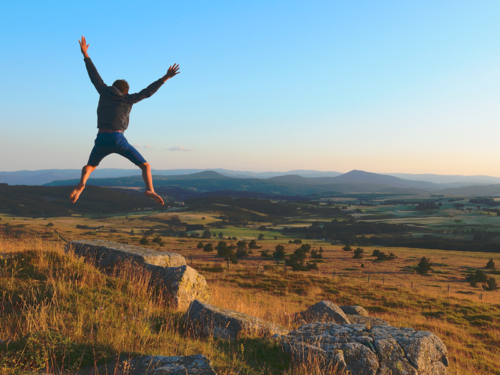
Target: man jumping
pixel 113 112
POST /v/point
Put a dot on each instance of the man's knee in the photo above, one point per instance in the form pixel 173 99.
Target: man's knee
pixel 145 166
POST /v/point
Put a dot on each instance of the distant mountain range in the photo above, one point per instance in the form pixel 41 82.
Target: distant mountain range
pixel 308 177
pixel 211 181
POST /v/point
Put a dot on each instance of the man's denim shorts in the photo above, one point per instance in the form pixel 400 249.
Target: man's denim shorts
pixel 113 143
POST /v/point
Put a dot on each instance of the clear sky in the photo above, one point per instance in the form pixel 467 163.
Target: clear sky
pixel 381 86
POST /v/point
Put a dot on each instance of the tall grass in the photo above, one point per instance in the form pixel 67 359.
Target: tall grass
pixel 59 314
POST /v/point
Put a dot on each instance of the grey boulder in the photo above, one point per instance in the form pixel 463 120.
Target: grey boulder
pixel 106 254
pixel 324 311
pixel 209 320
pixel 168 270
pixel 369 321
pixel 359 350
pixel 354 310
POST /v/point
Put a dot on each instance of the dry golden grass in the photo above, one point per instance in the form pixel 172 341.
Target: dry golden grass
pixel 469 328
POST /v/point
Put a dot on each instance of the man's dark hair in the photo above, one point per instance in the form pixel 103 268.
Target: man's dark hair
pixel 121 85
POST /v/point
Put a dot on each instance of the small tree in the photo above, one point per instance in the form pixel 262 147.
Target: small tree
pixel 424 266
pixel 491 264
pixel 200 245
pixel 347 248
pixel 477 277
pixel 208 247
pixel 376 252
pixel 221 235
pixel 265 253
pixel 144 241
pixel 261 236
pixel 491 284
pixel 315 254
pixel 253 245
pixel 279 252
pixel 358 253
pixel 206 234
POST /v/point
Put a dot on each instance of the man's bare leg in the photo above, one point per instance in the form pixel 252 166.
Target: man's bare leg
pixel 86 171
pixel 148 180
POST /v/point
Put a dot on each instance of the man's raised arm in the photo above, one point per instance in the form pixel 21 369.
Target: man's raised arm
pixel 91 69
pixel 173 70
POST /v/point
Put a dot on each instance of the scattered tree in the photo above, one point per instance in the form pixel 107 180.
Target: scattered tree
pixel 424 266
pixel 491 284
pixel 221 235
pixel 253 245
pixel 206 234
pixel 491 264
pixel 144 241
pixel 279 252
pixel 208 247
pixel 261 236
pixel 200 245
pixel 358 253
pixel 265 253
pixel 477 277
pixel 347 248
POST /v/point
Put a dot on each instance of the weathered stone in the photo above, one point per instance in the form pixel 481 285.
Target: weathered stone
pixel 354 310
pixel 227 324
pixel 369 321
pixel 380 350
pixel 324 311
pixel 155 365
pixel 193 364
pixel 184 284
pixel 168 270
pixel 106 254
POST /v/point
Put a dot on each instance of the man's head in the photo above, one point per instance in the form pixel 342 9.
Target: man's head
pixel 121 85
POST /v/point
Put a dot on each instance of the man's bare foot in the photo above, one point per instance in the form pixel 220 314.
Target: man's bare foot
pixel 76 193
pixel 156 197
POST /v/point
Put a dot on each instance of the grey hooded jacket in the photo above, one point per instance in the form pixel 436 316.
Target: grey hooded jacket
pixel 114 107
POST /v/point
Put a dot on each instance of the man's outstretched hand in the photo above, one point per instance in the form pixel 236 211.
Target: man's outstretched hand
pixel 173 70
pixel 84 47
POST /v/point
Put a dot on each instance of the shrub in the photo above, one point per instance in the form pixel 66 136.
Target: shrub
pixel 200 245
pixel 347 248
pixel 478 276
pixel 491 284
pixel 315 254
pixel 208 247
pixel 424 266
pixel 491 264
pixel 144 241
pixel 206 234
pixel 265 253
pixel 358 253
pixel 279 252
pixel 376 252
pixel 381 256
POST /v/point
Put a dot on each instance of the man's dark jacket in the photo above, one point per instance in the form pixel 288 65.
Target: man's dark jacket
pixel 114 107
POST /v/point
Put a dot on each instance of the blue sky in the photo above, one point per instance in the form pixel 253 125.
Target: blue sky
pixel 385 86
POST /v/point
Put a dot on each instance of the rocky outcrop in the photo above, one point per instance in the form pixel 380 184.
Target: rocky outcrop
pixel 155 365
pixel 375 351
pixel 210 320
pixel 168 270
pixel 184 284
pixel 106 254
pixel 193 364
pixel 324 311
pixel 369 321
pixel 354 310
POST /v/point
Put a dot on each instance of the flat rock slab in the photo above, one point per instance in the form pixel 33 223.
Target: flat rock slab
pixel 168 270
pixel 324 311
pixel 156 365
pixel 354 310
pixel 106 254
pixel 227 324
pixel 362 351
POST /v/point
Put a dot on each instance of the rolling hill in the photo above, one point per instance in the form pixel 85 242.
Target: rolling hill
pixel 210 181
